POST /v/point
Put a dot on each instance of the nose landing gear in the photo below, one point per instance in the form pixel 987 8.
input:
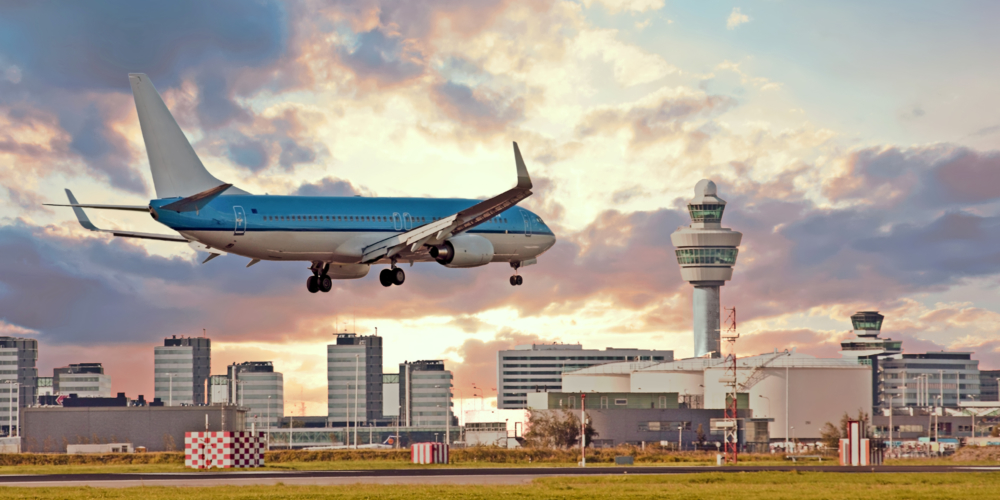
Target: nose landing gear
pixel 516 280
pixel 320 281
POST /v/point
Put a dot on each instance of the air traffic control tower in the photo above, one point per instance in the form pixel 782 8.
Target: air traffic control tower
pixel 706 252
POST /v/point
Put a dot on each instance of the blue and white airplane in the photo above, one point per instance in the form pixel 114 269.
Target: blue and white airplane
pixel 341 237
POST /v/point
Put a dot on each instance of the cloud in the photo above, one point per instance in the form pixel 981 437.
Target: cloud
pixel 736 18
pixel 331 186
pixel 479 359
pixel 383 59
pixel 615 6
pixel 482 109
pixel 631 64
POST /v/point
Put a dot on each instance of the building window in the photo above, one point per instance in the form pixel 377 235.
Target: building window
pixel 572 401
pixel 663 401
pixel 621 402
pixel 604 401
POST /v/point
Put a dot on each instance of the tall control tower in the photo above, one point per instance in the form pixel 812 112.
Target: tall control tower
pixel 706 252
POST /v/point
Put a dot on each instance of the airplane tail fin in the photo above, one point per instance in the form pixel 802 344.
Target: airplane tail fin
pixel 177 171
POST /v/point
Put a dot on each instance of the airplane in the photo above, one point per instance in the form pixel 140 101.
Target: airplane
pixel 340 237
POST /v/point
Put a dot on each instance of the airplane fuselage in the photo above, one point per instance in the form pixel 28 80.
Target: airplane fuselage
pixel 337 229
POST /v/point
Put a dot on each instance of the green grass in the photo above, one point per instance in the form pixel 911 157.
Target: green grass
pixel 745 486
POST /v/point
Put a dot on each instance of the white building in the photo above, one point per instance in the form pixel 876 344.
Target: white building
pixel 255 385
pixel 181 367
pixel 18 379
pixel 539 367
pixel 85 384
pixel 800 392
pixel 425 394
pixel 390 395
pixel 354 379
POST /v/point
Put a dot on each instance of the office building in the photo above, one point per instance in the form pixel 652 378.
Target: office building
pixel 539 367
pixel 929 379
pixel 18 378
pixel 86 380
pixel 218 389
pixel 181 368
pixel 256 386
pixel 43 387
pixel 706 252
pixel 425 394
pixel 989 385
pixel 354 379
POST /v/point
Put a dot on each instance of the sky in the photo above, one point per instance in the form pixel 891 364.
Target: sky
pixel 857 144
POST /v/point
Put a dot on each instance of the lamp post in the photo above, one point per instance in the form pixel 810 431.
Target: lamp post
pixel 268 422
pixel 973 413
pixel 680 438
pixel 890 422
pixel 171 393
pixel 357 359
pixel 768 404
pixel 480 389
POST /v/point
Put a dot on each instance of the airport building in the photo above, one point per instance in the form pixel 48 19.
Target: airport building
pixel 390 395
pixel 989 385
pixel 86 380
pixel 425 394
pixel 181 368
pixel 258 388
pixel 354 379
pixel 798 392
pixel 539 367
pixel 929 379
pixel 18 379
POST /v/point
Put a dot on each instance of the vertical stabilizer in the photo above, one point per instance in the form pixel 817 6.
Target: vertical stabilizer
pixel 177 171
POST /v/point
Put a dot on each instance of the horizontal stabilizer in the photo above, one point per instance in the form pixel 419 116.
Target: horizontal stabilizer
pixel 129 208
pixel 196 202
pixel 81 216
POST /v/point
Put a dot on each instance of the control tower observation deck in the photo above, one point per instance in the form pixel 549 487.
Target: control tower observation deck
pixel 706 252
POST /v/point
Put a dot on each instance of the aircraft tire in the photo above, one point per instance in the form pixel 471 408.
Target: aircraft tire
pixel 513 281
pixel 385 277
pixel 325 283
pixel 398 276
pixel 518 280
pixel 312 284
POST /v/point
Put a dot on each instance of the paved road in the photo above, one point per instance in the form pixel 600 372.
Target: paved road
pixel 415 476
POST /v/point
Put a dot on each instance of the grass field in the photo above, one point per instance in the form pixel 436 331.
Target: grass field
pixel 745 486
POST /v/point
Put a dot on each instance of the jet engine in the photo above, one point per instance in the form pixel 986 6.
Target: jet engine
pixel 464 250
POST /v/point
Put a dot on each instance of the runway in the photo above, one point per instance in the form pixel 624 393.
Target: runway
pixel 421 476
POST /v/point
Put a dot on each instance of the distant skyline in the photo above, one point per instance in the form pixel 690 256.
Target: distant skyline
pixel 857 146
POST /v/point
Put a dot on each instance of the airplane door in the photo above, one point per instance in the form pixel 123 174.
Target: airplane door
pixel 397 221
pixel 407 221
pixel 241 221
pixel 527 223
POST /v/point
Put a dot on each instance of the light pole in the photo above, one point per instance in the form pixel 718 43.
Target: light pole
pixel 680 438
pixel 357 359
pixel 171 393
pixel 268 422
pixel 941 388
pixel 973 413
pixel 768 404
pixel 474 389
pixel 793 437
pixel 786 408
pixel 890 422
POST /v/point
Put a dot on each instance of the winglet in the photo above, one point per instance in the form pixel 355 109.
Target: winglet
pixel 80 214
pixel 523 181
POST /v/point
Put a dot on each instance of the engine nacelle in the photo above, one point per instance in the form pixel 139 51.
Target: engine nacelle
pixel 464 250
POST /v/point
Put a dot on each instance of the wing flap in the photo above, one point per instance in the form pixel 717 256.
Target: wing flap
pixel 440 230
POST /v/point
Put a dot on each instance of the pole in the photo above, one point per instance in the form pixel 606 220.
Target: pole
pixel 357 359
pixel 171 397
pixel 268 422
pixel 447 418
pixel 680 440
pixel 890 423
pixel 10 410
pixel 406 390
pixel 786 408
pixel 941 387
pixel 583 431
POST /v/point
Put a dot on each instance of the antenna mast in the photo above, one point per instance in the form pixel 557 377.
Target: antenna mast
pixel 731 434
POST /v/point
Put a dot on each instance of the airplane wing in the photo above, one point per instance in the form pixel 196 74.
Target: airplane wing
pixel 85 222
pixel 437 231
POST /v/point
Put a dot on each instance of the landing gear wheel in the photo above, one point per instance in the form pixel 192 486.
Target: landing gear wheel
pixel 385 277
pixel 518 280
pixel 513 281
pixel 325 283
pixel 398 276
pixel 312 284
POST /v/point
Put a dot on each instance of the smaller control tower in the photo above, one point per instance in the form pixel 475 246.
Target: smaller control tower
pixel 706 252
pixel 868 345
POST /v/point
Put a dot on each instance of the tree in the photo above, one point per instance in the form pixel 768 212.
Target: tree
pixel 556 429
pixel 830 436
pixel 995 432
pixel 700 435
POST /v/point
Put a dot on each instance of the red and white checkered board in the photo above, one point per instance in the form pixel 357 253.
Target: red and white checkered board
pixel 204 450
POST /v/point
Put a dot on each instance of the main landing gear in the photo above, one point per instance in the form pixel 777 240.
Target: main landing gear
pixel 392 276
pixel 320 281
pixel 516 280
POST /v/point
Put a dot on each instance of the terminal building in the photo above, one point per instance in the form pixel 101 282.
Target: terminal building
pixel 539 367
pixel 255 385
pixel 18 379
pixel 425 394
pixel 354 379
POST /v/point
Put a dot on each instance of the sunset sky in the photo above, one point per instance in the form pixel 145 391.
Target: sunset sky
pixel 856 143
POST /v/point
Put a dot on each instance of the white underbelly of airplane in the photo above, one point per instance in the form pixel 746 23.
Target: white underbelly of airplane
pixel 344 246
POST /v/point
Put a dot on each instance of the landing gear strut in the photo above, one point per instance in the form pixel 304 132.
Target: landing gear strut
pixel 320 281
pixel 392 276
pixel 516 280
